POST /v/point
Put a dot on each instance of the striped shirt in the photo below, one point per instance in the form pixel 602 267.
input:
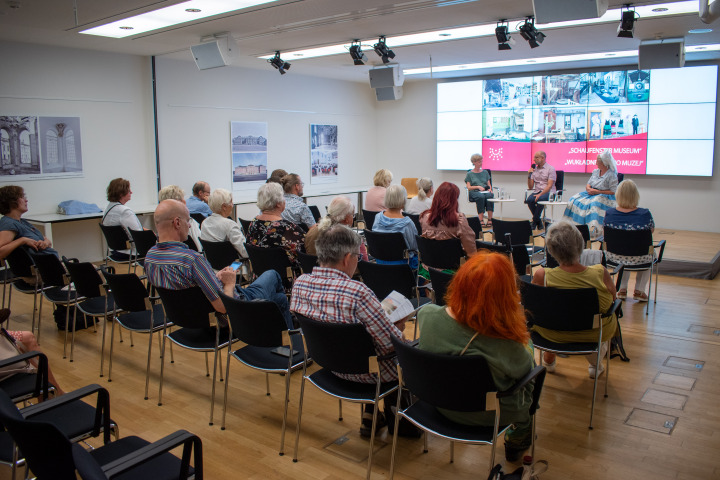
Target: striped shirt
pixel 174 266
pixel 329 295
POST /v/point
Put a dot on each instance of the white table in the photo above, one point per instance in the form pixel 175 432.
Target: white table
pixel 501 201
pixel 552 206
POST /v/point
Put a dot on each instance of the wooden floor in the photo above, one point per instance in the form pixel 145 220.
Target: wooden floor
pixel 660 420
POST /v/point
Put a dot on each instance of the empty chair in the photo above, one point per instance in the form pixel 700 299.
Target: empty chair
pixel 520 230
pixel 459 383
pixel 441 254
pixel 219 254
pixel 270 347
pixel 386 246
pixel 117 239
pixel 369 218
pixel 476 226
pixel 410 185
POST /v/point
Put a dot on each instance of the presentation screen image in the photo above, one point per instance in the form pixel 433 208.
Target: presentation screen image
pixel 658 122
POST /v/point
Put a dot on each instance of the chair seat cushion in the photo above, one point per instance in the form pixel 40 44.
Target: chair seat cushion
pixel 428 418
pixel 579 348
pixel 95 306
pixel 19 385
pixel 198 338
pixel 355 391
pixel 264 359
pixel 140 321
pixel 164 467
pixel 22 286
pixel 75 419
pixel 629 267
pixel 58 295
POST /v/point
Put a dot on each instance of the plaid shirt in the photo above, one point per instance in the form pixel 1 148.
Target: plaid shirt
pixel 329 295
pixel 296 211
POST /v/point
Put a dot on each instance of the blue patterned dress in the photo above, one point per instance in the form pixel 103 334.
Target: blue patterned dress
pixel 586 209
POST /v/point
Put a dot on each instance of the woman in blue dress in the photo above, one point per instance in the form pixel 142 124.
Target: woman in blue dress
pixel 15 231
pixel 589 207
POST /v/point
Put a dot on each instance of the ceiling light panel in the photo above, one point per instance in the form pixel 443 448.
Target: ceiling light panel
pixel 185 12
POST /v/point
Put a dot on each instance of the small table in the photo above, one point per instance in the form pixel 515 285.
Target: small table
pixel 552 205
pixel 501 201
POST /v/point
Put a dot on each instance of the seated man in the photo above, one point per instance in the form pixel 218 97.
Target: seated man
pixel 171 264
pixel 328 294
pixel 198 201
pixel 541 180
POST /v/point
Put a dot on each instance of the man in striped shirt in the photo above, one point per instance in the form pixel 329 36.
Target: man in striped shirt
pixel 171 264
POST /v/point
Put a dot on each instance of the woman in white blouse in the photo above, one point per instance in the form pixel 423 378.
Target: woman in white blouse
pixel 218 227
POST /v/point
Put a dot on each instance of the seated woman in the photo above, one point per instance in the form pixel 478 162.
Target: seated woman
pixel 443 221
pixel 627 216
pixel 269 229
pixel 116 213
pixel 565 243
pixel 469 324
pixel 589 207
pixel 218 227
pixel 375 197
pixel 173 192
pixel 14 231
pixel 479 188
pixel 392 220
pixel 422 201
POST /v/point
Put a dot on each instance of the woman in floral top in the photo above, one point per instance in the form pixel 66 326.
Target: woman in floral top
pixel 269 229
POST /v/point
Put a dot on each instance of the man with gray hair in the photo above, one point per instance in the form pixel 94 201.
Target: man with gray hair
pixel 329 294
pixel 197 202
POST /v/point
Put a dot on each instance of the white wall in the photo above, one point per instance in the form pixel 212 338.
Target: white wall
pixel 407 148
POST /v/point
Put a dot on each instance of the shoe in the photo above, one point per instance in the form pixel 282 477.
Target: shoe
pixel 593 371
pixel 640 297
pixel 622 294
pixel 512 455
pixel 366 425
pixel 551 366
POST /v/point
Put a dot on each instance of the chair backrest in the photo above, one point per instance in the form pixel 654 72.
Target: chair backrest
pixel 307 261
pixel 339 347
pixel 410 185
pixel 521 259
pixel 187 308
pixel 626 242
pixel 559 180
pixel 493 247
pixel 144 240
pixel 191 244
pixel 475 224
pixel 219 254
pixel 427 376
pixel 47 451
pixel 621 177
pixel 20 262
pixel 315 212
pixel 257 323
pixel 563 309
pixel 268 258
pixel 383 279
pixel 442 254
pixel 520 230
pixel 369 218
pixel 386 246
pixel 198 217
pixel 115 236
pixel 50 268
pixel 86 278
pixel 440 281
pixel 415 217
pixel 245 224
pixel 128 291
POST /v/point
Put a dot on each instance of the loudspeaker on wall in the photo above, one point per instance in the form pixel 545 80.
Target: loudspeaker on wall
pixel 389 93
pixel 386 77
pixel 212 54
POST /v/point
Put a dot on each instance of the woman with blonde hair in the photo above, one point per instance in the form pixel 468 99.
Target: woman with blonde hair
pixel 422 201
pixel 375 197
pixel 392 220
pixel 218 227
pixel 483 316
pixel 479 186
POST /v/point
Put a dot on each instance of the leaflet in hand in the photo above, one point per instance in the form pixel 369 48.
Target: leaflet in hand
pixel 396 306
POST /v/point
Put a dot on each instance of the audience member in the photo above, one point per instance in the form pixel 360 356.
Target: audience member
pixel 218 227
pixel 422 201
pixel 375 196
pixel 483 316
pixel 15 231
pixel 296 211
pixel 197 202
pixel 589 207
pixel 341 210
pixel 479 188
pixel 116 213
pixel 392 220
pixel 565 243
pixel 276 176
pixel 171 264
pixel 443 221
pixel 541 180
pixel 627 216
pixel 173 192
pixel 270 229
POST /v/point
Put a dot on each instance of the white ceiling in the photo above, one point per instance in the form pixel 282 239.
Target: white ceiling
pixel 292 24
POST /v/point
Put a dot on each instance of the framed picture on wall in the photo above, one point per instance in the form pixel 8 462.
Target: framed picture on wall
pixel 249 151
pixel 323 154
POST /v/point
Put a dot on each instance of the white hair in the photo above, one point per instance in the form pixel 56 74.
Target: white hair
pixel 218 198
pixel 269 195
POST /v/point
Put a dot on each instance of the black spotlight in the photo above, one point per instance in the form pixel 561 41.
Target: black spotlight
pixel 383 51
pixel 530 33
pixel 359 58
pixel 627 24
pixel 278 63
pixel 505 42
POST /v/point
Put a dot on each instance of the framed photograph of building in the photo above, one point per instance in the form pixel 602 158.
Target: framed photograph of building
pixel 323 154
pixel 249 151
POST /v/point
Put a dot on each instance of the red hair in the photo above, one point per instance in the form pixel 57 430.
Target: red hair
pixel 444 207
pixel 483 295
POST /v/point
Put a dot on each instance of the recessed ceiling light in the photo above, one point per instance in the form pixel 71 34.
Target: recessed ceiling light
pixel 659 10
pixel 445 34
pixel 700 30
pixel 193 10
pixel 609 54
pixel 297 54
pixel 126 28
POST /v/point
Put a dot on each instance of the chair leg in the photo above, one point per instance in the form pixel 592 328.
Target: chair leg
pixel 285 404
pixel 212 392
pixel 102 345
pixel 340 417
pixel 607 366
pixel 207 365
pixel 597 364
pixel 425 442
pixel 112 338
pixel 162 366
pixel 72 337
pixel 147 371
pixel 395 436
pixel 299 416
pixel 372 432
pixel 220 369
pixel 267 384
pixel 132 342
pixel 67 329
pixel 227 382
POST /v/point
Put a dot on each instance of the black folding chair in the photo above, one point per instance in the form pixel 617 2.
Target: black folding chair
pixel 270 346
pixel 245 224
pixel 369 218
pixel 521 232
pixel 143 240
pixel 198 217
pixel 348 349
pixel 440 281
pixel 307 262
pixel 24 386
pixel 470 388
pixel 476 226
pixel 117 239
pixel 315 212
pixel 386 246
pixel 25 279
pixel 567 310
pixel 219 254
pixel 441 254
pixel 263 259
pixel 415 217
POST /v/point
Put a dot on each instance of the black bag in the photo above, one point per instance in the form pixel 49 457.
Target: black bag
pixel 81 320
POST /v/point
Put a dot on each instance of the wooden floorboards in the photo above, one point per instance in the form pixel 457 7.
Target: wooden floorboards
pixel 631 438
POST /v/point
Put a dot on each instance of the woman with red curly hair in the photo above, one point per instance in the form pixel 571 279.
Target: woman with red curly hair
pixel 443 221
pixel 483 316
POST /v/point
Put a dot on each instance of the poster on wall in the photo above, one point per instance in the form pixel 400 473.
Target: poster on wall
pixel 37 148
pixel 249 151
pixel 323 154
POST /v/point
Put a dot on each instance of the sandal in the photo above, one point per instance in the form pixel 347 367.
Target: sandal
pixel 640 296
pixel 622 294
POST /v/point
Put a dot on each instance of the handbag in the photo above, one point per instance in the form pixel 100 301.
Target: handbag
pixel 10 349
